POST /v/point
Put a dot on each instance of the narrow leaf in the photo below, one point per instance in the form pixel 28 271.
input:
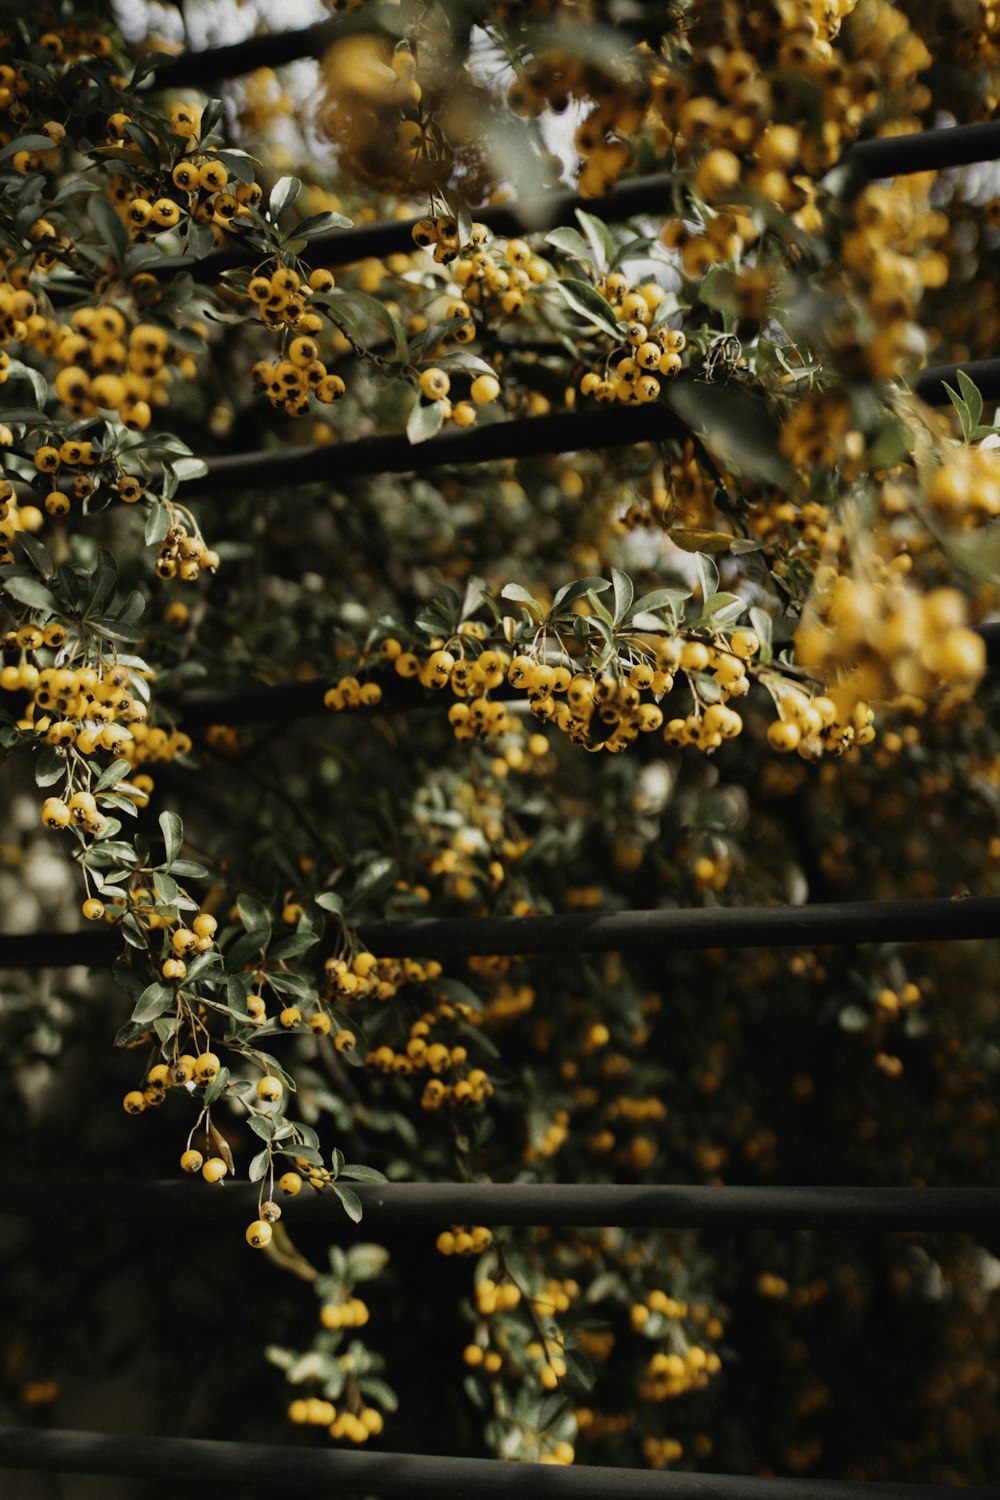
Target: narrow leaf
pixel 173 835
pixel 351 1201
pixel 590 305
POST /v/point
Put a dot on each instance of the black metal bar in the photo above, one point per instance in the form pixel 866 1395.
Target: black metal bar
pixel 841 922
pixel 699 927
pixel 579 1205
pixel 268 49
pixel 260 704
pixel 210 1464
pixel 918 151
pixel 927 150
pixel 563 432
pixel 984 373
pixel 651 194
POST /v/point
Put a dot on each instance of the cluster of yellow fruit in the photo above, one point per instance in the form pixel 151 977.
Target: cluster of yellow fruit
pixel 887 639
pixel 669 1375
pixel 635 1110
pixel 198 187
pixel 371 108
pixel 965 490
pixel 813 726
pixel 634 379
pixel 198 1069
pixel 894 252
pixel 471 680
pixel 435 387
pixel 555 77
pixel 422 1054
pixel 106 365
pixel 357 1427
pixel 492 276
pixel 507 1004
pixel 150 744
pixel 817 433
pixel 352 1313
pixel 659 1452
pixel 549 1361
pixel 496 1296
pixel 183 554
pixel 659 1302
pixel 316 1176
pixel 94 707
pixel 464 1239
pixel 366 976
pixel 549 1141
pixel 282 300
pixel 617 703
pixel 348 692
pixel 597 1425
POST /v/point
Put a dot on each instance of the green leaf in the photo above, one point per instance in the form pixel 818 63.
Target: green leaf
pixel 282 196
pixel 672 600
pixel 27 591
pixel 362 1173
pixel 571 242
pixel 108 225
pixel 34 142
pixel 763 624
pixel 462 360
pixel 189 869
pixel 571 592
pixel 365 1262
pixel 189 468
pixel 157 522
pixel 155 999
pixel 173 835
pixel 254 915
pixel 18 370
pixel 29 414
pixel 718 289
pixel 50 766
pixel 239 164
pixel 708 576
pixel 378 1390
pixel 964 415
pixel 117 630
pixel 213 1092
pixel 259 1165
pixel 723 609
pixel 424 421
pixel 624 594
pixel 330 901
pixel 736 425
pixel 374 880
pixel 521 596
pixel 590 305
pixel 354 307
pixel 321 224
pixel 119 770
pixel 972 397
pixel 599 237
pixel 551 1408
pixel 350 1201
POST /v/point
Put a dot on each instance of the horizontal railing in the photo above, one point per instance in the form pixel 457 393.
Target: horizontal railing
pixel 658 930
pixel 293 1470
pixel 861 1210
